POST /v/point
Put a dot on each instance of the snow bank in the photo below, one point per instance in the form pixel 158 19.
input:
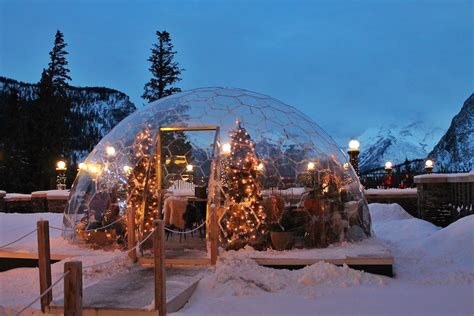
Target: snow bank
pixel 244 277
pixel 425 253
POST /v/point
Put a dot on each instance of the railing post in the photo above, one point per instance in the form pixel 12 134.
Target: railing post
pixel 44 263
pixel 159 260
pixel 131 234
pixel 73 288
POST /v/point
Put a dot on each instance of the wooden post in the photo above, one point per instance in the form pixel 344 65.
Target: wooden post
pixel 73 288
pixel 131 234
pixel 159 260
pixel 44 262
pixel 213 234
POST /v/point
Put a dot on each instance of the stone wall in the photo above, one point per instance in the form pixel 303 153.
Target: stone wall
pixel 444 198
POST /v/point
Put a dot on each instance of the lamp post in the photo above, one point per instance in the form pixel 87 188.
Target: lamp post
pixel 388 176
pixel 353 152
pixel 61 175
pixel 429 166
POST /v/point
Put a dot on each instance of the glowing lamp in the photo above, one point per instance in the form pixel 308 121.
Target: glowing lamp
pixel 388 165
pixel 260 166
pixel 82 166
pixel 110 151
pixel 429 165
pixel 354 145
pixel 61 165
pixel 311 166
pixel 127 169
pixel 189 168
pixel 226 148
pixel 94 169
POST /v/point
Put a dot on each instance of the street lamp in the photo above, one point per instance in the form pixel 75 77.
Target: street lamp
pixel 311 166
pixel 429 166
pixel 353 152
pixel 61 175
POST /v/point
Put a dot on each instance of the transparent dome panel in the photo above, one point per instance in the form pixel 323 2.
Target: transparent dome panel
pixel 260 165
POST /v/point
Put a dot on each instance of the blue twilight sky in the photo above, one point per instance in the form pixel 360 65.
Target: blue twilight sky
pixel 347 64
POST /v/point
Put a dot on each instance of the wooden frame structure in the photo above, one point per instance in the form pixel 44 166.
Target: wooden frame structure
pixel 211 216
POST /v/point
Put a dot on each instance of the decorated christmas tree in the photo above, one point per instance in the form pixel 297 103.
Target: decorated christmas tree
pixel 244 219
pixel 142 195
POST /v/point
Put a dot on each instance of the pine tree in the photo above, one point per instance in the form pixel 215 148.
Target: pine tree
pixel 164 69
pixel 52 116
pixel 245 220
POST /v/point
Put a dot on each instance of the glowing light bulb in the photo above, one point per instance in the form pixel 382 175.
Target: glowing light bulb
pixel 110 151
pixel 311 166
pixel 61 165
pixel 189 168
pixel 429 163
pixel 388 165
pixel 354 145
pixel 226 148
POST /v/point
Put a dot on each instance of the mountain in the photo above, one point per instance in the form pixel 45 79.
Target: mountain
pixel 395 144
pixel 96 110
pixel 455 150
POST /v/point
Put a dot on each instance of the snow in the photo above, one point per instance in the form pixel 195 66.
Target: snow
pixel 434 270
pixel 57 195
pixel 17 197
pixel 448 177
pixel 392 191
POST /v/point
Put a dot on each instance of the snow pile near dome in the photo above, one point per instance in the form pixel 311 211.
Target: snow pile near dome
pixel 244 277
pixel 425 253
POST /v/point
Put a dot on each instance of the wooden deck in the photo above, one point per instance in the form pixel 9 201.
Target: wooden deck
pixel 132 293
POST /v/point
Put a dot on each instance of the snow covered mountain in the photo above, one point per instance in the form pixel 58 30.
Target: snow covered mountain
pixel 381 144
pixel 455 150
pixel 96 110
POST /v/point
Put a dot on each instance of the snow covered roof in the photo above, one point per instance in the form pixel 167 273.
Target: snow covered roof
pixel 445 177
pixel 392 191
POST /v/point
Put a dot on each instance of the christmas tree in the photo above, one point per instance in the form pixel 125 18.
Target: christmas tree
pixel 244 218
pixel 142 195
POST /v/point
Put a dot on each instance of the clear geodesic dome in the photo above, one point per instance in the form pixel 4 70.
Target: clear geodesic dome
pixel 287 176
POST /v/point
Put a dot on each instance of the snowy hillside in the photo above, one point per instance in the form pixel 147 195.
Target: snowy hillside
pixel 411 141
pixel 96 110
pixel 455 151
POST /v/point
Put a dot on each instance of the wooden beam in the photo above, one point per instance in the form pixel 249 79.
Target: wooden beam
pixel 44 263
pixel 213 235
pixel 171 262
pixel 31 255
pixel 73 288
pixel 309 261
pixel 181 299
pixel 159 263
pixel 131 234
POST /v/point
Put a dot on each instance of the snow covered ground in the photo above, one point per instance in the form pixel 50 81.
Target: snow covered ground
pixel 434 274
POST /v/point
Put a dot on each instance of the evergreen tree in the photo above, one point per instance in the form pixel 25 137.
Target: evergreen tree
pixel 51 116
pixel 245 218
pixel 164 69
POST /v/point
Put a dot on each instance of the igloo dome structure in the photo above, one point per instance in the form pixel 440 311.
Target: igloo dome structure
pixel 257 164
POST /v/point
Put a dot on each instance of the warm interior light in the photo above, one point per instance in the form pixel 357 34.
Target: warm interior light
pixel 429 164
pixel 226 148
pixel 189 168
pixel 110 151
pixel 388 165
pixel 260 166
pixel 61 165
pixel 354 145
pixel 93 169
pixel 311 166
pixel 127 169
pixel 82 166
